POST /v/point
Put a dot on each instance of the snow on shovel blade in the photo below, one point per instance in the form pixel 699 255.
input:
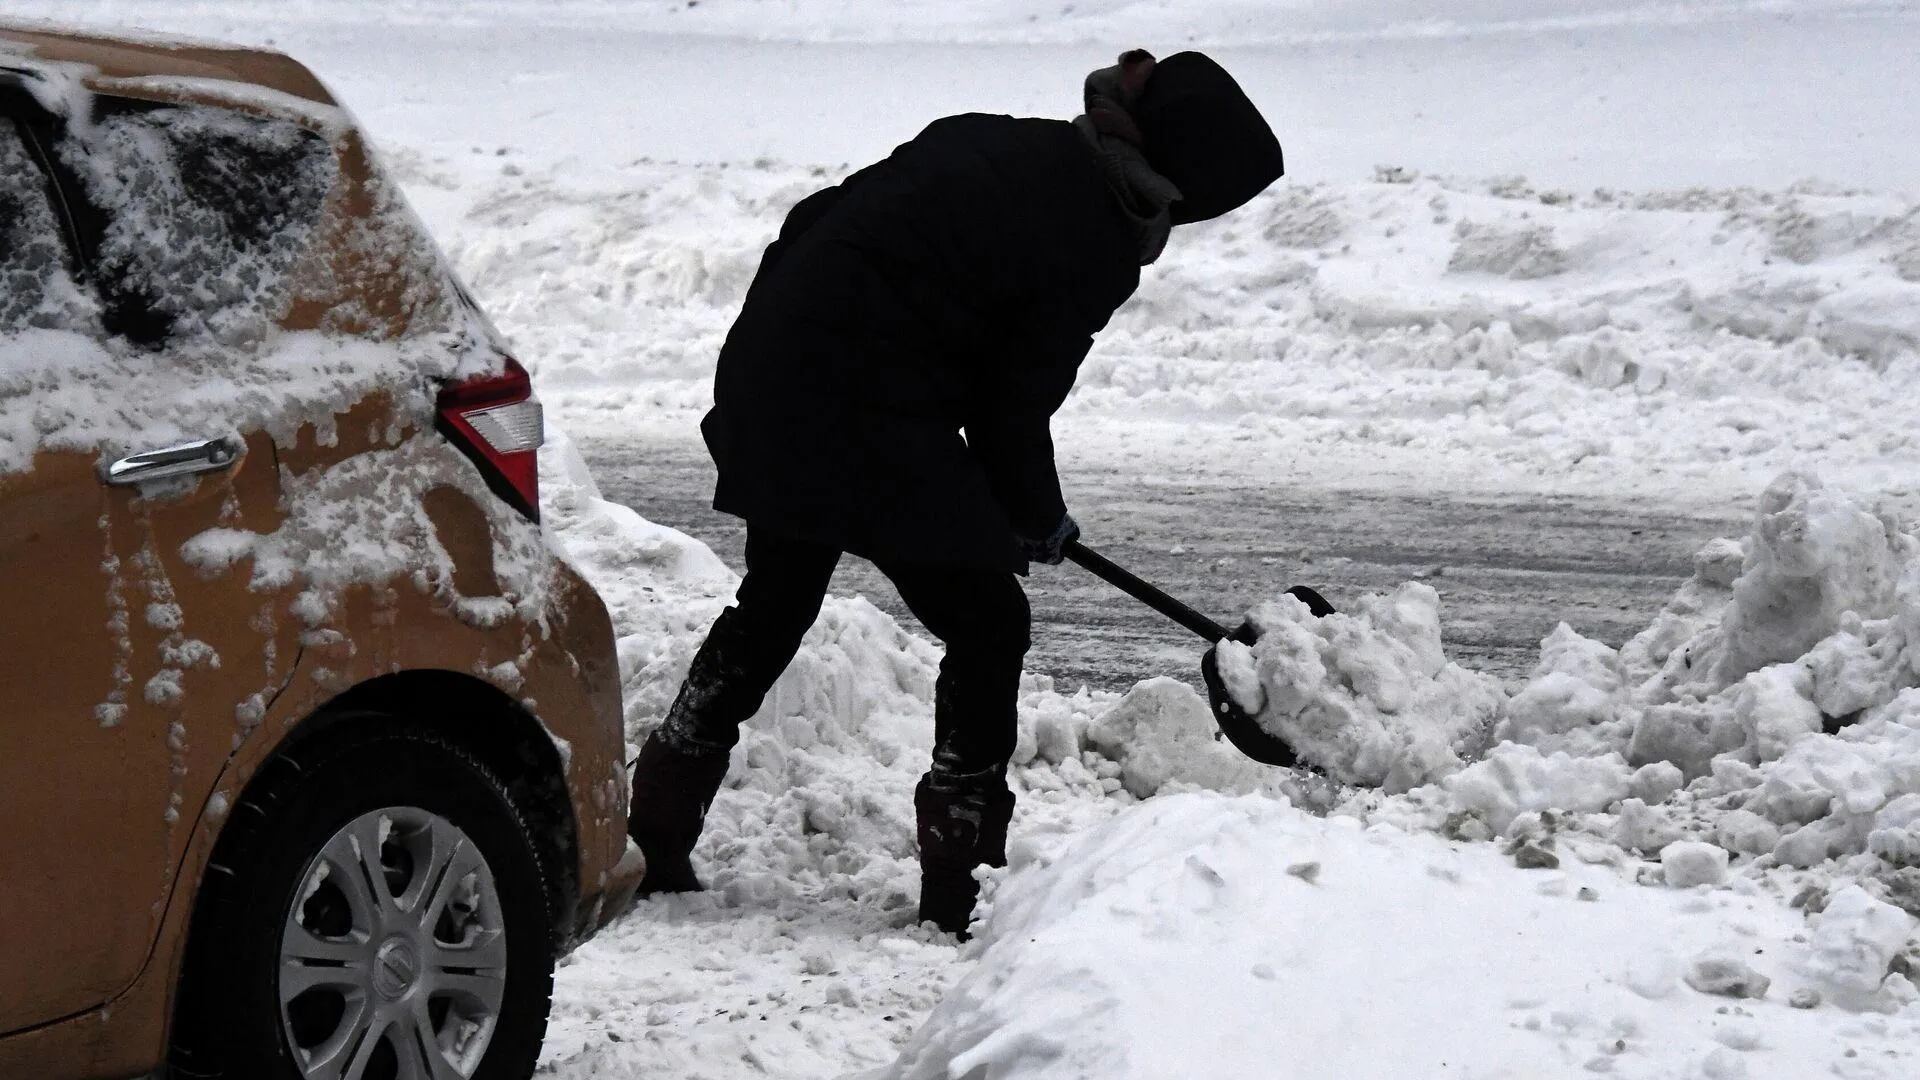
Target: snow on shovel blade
pixel 1240 729
pixel 1246 735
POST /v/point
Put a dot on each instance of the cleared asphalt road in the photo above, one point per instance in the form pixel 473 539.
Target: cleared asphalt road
pixel 1508 569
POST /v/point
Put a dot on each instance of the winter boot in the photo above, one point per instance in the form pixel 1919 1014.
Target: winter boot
pixel 959 830
pixel 671 793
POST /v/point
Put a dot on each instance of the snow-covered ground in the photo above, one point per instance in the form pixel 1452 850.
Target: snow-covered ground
pixel 1578 246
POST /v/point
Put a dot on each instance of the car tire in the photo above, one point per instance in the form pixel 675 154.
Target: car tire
pixel 308 959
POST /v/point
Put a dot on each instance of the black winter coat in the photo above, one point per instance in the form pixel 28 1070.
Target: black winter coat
pixel 953 287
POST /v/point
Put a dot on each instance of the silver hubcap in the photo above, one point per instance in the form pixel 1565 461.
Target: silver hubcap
pixel 393 958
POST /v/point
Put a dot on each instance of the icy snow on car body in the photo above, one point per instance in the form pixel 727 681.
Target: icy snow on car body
pixel 310 748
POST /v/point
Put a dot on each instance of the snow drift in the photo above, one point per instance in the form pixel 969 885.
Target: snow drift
pixel 1287 944
pixel 1407 326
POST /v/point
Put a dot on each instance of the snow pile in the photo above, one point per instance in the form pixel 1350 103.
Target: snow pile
pixel 1491 328
pixel 1286 944
pixel 619 300
pixel 1368 695
pixel 1770 709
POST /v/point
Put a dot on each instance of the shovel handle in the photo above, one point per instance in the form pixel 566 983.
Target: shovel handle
pixel 1101 567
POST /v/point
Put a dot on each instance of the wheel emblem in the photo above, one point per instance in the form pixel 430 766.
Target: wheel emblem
pixel 394 968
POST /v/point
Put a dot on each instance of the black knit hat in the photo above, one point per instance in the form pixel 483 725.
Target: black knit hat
pixel 1202 133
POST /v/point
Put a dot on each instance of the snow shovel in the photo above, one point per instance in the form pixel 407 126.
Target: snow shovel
pixel 1246 736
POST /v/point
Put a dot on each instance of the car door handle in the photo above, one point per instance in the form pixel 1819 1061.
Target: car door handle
pixel 206 455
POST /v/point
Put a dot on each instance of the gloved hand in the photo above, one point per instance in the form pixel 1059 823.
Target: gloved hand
pixel 1049 550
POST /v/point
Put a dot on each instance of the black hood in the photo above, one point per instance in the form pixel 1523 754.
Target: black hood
pixel 1201 132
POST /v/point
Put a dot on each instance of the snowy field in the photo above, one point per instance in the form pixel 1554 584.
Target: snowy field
pixel 1668 252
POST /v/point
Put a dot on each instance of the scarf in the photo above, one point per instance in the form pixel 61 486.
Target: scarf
pixel 1110 131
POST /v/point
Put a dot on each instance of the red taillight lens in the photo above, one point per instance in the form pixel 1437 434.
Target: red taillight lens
pixel 496 421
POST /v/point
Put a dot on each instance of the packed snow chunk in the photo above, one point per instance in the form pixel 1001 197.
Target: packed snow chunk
pixel 1896 832
pixel 1726 974
pixel 1827 792
pixel 1162 733
pixel 1854 945
pixel 1689 736
pixel 1689 862
pixel 1774 707
pixel 1514 779
pixel 1816 555
pixel 1759 717
pixel 1575 689
pixel 1746 833
pixel 1698 604
pixel 1054 737
pixel 1368 696
pixel 1655 781
pixel 1521 253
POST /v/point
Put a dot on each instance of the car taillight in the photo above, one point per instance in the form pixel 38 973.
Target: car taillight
pixel 496 421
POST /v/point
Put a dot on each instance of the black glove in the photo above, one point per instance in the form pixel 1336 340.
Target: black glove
pixel 1048 550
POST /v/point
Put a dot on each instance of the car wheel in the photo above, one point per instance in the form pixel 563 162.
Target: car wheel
pixel 374 911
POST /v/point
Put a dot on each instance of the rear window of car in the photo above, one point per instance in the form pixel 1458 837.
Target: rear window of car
pixel 38 287
pixel 200 214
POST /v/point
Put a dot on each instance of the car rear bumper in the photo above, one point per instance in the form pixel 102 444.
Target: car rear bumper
pixel 614 896
pixel 587 715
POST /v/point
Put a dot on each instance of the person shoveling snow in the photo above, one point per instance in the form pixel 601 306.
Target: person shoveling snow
pixel 954 286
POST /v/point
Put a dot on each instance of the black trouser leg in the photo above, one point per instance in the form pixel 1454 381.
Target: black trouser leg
pixel 962 804
pixel 751 643
pixel 983 619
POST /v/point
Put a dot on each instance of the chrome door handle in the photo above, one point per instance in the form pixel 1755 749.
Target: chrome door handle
pixel 206 455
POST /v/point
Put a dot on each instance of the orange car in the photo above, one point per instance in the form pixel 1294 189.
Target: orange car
pixel 311 756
